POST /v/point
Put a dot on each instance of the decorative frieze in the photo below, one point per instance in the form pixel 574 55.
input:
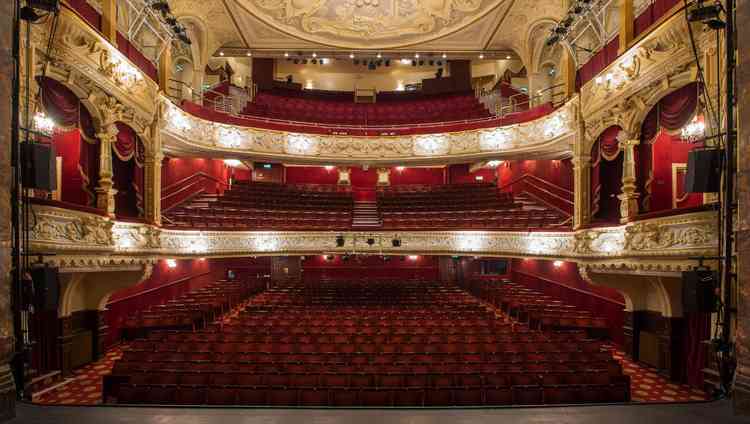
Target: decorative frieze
pixel 72 234
pixel 551 136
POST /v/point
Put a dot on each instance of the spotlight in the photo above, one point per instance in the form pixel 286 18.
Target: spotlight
pixel 296 61
pixel 439 63
pixel 552 40
pixel 421 62
pixel 416 55
pixel 387 62
pixel 445 56
pixel 379 55
pixel 345 258
pixel 340 241
pixel 351 55
pixel 304 61
pixel 567 22
pixel 314 55
pixel 171 20
pixel 396 242
pixel 708 15
pixel 370 241
pixel 286 54
pixel 413 63
pixel 432 63
pixel 314 61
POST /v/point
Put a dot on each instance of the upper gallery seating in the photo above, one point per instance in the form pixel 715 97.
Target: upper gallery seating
pixel 387 343
pixel 462 206
pixel 535 308
pixel 288 106
pixel 193 309
pixel 267 206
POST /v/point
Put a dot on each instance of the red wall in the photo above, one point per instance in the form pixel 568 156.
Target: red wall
pixel 565 282
pixel 369 267
pixel 176 169
pixel 557 172
pixel 311 175
pixel 427 176
pixel 667 150
pixel 459 174
pixel 168 283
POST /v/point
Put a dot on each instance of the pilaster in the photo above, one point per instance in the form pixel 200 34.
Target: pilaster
pixel 384 176
pixel 582 190
pixel 109 20
pixel 627 24
pixel 345 176
pixel 152 177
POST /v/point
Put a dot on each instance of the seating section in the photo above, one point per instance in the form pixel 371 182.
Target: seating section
pixel 386 343
pixel 294 106
pixel 267 206
pixel 191 310
pixel 478 206
pixel 538 310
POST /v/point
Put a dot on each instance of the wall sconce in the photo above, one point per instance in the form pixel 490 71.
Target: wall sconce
pixel 557 264
pixel 413 257
pixel 171 263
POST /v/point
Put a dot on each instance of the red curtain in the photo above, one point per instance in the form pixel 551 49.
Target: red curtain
pixel 80 148
pixel 607 166
pixel 697 328
pixel 668 116
pixel 128 172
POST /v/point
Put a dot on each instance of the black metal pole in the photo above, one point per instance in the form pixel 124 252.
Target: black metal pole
pixel 16 289
pixel 729 198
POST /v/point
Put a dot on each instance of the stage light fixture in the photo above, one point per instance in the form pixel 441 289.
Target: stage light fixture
pixel 370 241
pixel 340 241
pixel 432 63
pixel 396 242
pixel 315 61
pixel 296 61
pixel 345 258
pixel 387 62
pixel 421 62
pixel 413 63
pixel 709 15
pixel 161 6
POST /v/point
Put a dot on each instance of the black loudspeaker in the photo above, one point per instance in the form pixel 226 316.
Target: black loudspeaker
pixel 703 171
pixel 46 288
pixel 39 167
pixel 699 290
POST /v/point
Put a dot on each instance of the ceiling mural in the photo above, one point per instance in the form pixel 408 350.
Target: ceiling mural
pixel 369 23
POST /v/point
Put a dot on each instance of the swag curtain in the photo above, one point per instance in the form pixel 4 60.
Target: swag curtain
pixel 663 124
pixel 128 172
pixel 606 175
pixel 76 141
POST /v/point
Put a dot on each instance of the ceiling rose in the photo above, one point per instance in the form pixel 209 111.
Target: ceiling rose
pixel 369 24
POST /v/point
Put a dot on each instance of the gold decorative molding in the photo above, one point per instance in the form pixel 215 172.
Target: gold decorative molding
pixel 551 136
pixel 73 234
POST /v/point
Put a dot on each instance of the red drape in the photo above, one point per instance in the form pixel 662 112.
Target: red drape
pixel 79 149
pixel 697 329
pixel 607 165
pixel 669 115
pixel 128 172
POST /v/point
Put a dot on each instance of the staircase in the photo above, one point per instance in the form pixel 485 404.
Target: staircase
pixel 365 215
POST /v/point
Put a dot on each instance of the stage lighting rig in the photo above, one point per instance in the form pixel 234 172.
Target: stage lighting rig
pixel 340 241
pixel 30 12
pixel 709 15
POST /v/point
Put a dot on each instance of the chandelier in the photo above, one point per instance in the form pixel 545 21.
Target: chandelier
pixel 694 131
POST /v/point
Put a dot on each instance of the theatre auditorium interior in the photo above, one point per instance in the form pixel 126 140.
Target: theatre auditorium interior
pixel 403 211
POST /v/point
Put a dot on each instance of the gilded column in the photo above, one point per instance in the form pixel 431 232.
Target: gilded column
pixel 105 192
pixel 629 196
pixel 152 177
pixel 582 190
pixel 109 20
pixel 627 24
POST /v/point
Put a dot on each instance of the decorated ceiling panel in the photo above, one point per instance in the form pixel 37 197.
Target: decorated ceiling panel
pixel 373 24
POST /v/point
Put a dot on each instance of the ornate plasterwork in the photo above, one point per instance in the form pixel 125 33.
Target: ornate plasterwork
pixel 71 234
pixel 550 136
pixel 370 23
pixel 627 89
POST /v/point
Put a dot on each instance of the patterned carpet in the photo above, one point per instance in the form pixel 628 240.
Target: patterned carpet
pixel 85 387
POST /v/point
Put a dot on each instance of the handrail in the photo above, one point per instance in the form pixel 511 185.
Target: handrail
pixel 199 173
pixel 527 175
pixel 547 280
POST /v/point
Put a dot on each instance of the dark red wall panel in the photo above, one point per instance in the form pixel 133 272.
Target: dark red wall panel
pixel 424 176
pixel 311 175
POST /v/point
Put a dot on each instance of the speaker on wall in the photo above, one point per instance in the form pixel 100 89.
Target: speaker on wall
pixel 703 171
pixel 699 290
pixel 39 167
pixel 46 288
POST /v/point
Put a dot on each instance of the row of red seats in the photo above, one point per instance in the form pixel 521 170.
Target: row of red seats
pixel 342 397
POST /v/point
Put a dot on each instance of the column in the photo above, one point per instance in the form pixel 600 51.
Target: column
pixel 629 196
pixel 152 177
pixel 345 175
pixel 165 68
pixel 109 20
pixel 7 339
pixel 384 176
pixel 569 71
pixel 627 23
pixel 582 190
pixel 742 336
pixel 105 192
